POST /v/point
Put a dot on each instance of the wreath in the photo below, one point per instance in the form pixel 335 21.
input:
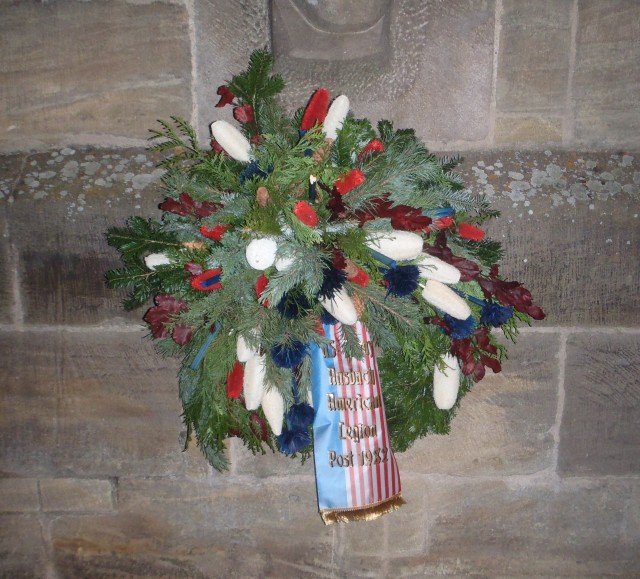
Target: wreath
pixel 292 223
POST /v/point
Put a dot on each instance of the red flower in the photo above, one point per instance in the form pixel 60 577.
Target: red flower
pixel 166 310
pixel 226 96
pixel 234 380
pixel 216 233
pixel 374 146
pixel 443 222
pixel 468 231
pixel 349 181
pixel 208 280
pixel 361 277
pixel 217 149
pixel 316 110
pixel 243 114
pixel 261 284
pixel 305 213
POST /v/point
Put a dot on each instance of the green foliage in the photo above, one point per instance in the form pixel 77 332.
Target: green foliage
pixel 257 87
pixel 179 139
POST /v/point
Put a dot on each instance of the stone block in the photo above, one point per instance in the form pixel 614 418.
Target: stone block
pixel 533 64
pixel 10 169
pixel 496 529
pixel 7 265
pixel 533 130
pixel 361 554
pixel 22 548
pixel 599 434
pixel 569 227
pixel 76 495
pixel 63 205
pixel 83 68
pixel 19 495
pixel 606 83
pixel 229 526
pixel 111 408
pixel 451 97
pixel 406 527
pixel 267 465
pixel 503 426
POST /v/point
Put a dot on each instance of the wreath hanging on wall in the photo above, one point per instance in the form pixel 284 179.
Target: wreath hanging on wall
pixel 311 233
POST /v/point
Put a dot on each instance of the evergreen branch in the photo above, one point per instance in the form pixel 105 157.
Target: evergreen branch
pixel 173 139
pixel 140 237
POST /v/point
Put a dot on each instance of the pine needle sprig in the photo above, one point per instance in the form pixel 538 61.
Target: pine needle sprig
pixel 256 85
pixel 141 236
pixel 179 139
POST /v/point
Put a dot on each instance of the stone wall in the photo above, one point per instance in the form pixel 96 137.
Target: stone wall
pixel 468 74
pixel 540 475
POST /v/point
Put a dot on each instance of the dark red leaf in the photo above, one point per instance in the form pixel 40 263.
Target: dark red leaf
pixel 206 208
pixel 259 427
pixel 217 149
pixel 166 308
pixel 226 96
pixel 193 268
pixel 468 367
pixel 243 114
pixel 173 206
pixel 216 233
pixel 337 207
pixel 478 371
pixel 181 334
pixel 491 363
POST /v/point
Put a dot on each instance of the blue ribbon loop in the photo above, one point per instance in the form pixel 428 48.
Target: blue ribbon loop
pixel 383 258
pixel 205 346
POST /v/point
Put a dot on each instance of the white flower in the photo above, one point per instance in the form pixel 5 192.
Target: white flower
pixel 153 260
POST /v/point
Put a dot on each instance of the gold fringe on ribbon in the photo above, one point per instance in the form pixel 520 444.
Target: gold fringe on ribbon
pixel 368 513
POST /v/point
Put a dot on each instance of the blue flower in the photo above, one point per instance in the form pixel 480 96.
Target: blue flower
pixel 293 304
pixel 288 355
pixel 250 171
pixel 460 329
pixel 299 417
pixel 494 314
pixel 292 441
pixel 403 280
pixel 332 282
pixel 328 319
